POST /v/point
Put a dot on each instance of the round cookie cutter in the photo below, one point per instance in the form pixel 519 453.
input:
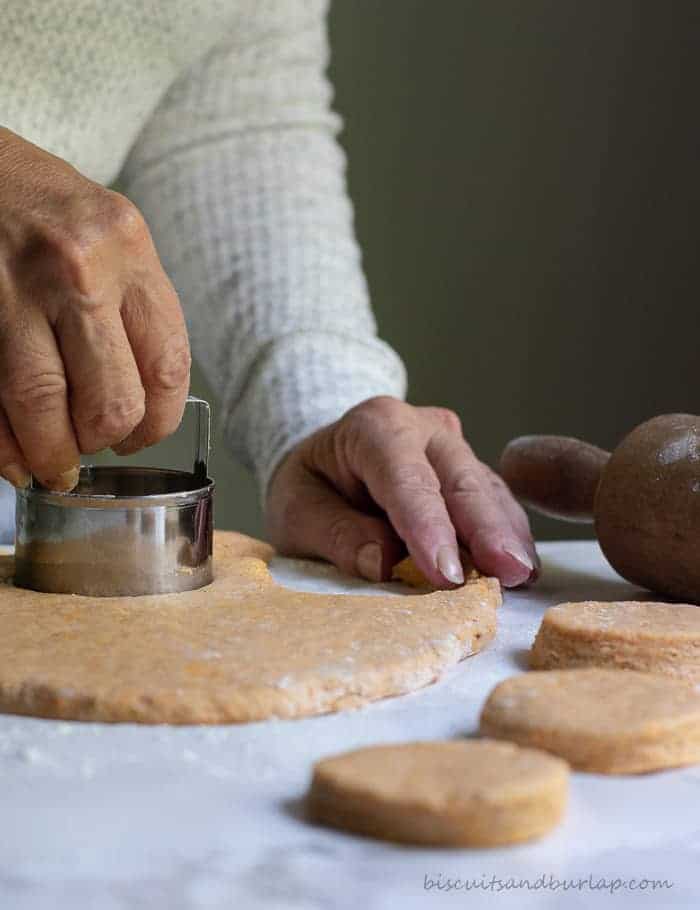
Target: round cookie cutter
pixel 123 530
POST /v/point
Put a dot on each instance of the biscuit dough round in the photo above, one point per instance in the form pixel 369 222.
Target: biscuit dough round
pixel 409 573
pixel 607 721
pixel 241 649
pixel 476 793
pixel 654 637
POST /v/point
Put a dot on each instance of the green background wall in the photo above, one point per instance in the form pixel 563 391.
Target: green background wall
pixel 525 176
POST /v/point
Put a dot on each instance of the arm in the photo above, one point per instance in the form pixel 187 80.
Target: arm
pixel 242 183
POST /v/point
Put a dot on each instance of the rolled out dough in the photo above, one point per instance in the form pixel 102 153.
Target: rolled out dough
pixel 601 720
pixel 241 649
pixel 654 637
pixel 475 793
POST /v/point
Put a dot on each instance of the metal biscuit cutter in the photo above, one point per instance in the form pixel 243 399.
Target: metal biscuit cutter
pixel 124 530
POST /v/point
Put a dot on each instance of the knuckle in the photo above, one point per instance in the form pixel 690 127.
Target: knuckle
pixel 37 394
pixel 367 427
pixel 112 423
pixel 99 219
pixel 170 371
pixel 381 407
pixel 450 419
pixel 71 250
pixel 464 483
pixel 124 218
pixel 445 417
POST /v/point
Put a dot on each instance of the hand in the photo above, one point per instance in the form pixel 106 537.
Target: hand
pixel 93 345
pixel 388 476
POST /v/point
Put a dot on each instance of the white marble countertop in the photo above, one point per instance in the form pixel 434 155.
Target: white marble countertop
pixel 125 817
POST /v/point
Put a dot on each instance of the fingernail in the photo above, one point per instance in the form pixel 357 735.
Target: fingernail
pixel 515 549
pixel 369 561
pixel 449 565
pixel 64 482
pixel 17 475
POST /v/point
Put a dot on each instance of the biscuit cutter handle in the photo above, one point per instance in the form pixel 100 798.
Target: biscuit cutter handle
pixel 555 475
pixel 202 436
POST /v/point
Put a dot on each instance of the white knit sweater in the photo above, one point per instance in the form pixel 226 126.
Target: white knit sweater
pixel 214 117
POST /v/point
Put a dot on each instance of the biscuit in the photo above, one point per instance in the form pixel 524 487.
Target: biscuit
pixel 607 721
pixel 654 637
pixel 475 793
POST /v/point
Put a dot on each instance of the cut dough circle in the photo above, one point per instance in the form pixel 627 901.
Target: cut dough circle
pixel 654 637
pixel 606 721
pixel 476 793
pixel 241 649
pixel 409 573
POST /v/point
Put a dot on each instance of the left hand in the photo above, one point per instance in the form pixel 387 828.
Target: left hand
pixel 388 477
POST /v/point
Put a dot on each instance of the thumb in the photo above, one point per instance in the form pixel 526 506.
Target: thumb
pixel 326 526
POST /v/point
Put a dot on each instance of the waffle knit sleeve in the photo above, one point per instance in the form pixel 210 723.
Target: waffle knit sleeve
pixel 242 182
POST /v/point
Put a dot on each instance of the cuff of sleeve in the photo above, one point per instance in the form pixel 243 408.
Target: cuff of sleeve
pixel 305 381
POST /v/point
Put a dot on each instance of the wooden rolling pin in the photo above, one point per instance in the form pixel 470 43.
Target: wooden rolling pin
pixel 644 498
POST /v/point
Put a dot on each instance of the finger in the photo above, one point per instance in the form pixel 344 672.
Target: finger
pixel 156 330
pixel 318 522
pixel 500 491
pixel 442 418
pixel 402 481
pixel 107 399
pixel 516 513
pixel 34 395
pixel 12 465
pixel 498 545
pixel 445 420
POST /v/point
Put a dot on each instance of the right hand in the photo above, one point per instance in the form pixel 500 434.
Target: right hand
pixel 93 344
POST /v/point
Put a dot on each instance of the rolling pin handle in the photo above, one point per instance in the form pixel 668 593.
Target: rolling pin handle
pixel 555 475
